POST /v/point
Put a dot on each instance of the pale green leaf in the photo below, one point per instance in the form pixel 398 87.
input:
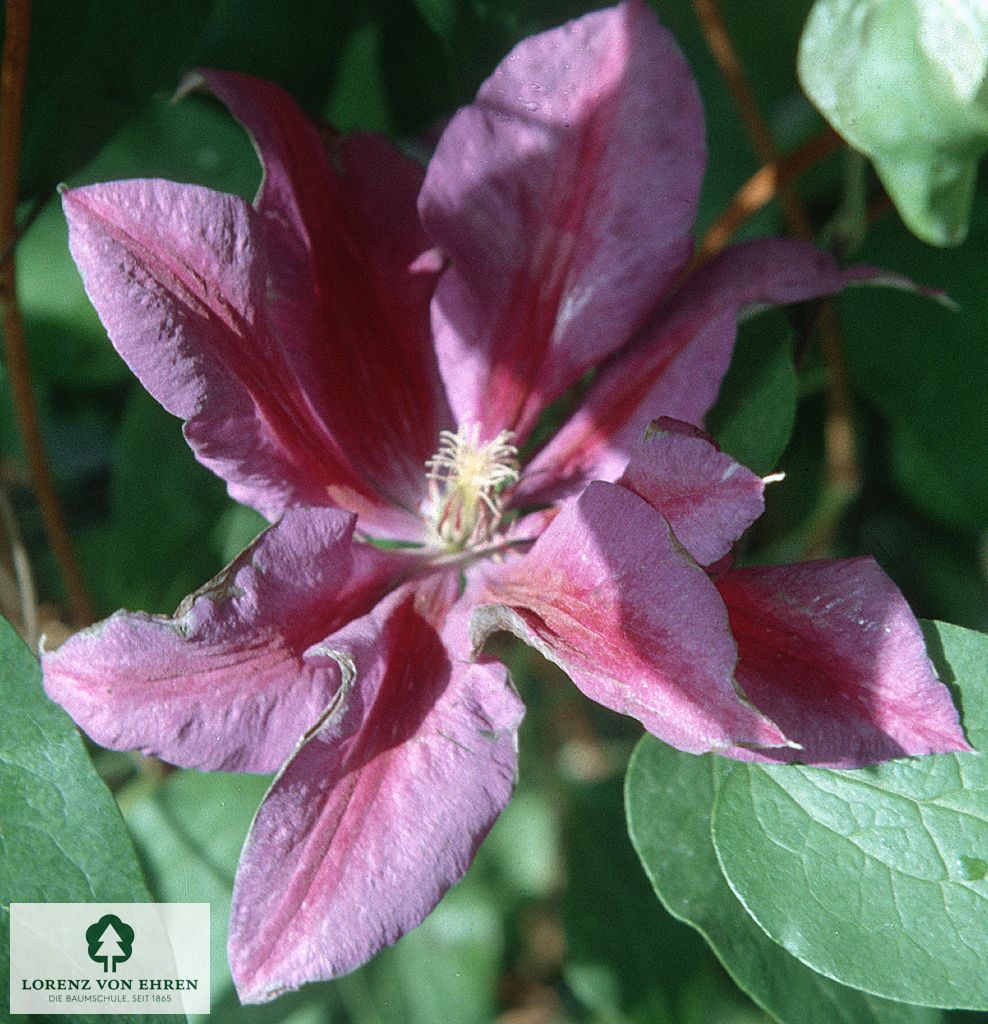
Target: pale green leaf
pixel 904 82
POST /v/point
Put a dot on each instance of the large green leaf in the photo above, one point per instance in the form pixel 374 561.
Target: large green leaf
pixel 63 839
pixel 961 660
pixel 668 800
pixel 876 877
pixel 903 81
pixel 61 836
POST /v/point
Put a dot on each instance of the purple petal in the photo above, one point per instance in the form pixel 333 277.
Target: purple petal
pixel 606 595
pixel 707 498
pixel 381 809
pixel 224 684
pixel 831 651
pixel 565 197
pixel 179 276
pixel 675 366
pixel 343 231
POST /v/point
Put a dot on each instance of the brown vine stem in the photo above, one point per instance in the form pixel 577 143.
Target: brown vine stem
pixel 720 45
pixel 761 188
pixel 842 470
pixel 12 76
pixel 37 205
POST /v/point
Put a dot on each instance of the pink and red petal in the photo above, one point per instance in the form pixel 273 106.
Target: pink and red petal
pixel 675 365
pixel 832 653
pixel 179 276
pixel 225 683
pixel 707 497
pixel 382 807
pixel 564 196
pixel 606 595
pixel 342 229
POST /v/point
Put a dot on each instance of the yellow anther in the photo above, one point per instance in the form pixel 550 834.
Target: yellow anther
pixel 466 481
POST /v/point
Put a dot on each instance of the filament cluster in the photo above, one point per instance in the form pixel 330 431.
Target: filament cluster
pixel 466 482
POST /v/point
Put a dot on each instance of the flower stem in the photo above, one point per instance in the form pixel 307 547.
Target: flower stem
pixel 845 231
pixel 26 593
pixel 842 470
pixel 12 77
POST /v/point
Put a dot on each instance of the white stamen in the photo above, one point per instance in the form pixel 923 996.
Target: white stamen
pixel 466 480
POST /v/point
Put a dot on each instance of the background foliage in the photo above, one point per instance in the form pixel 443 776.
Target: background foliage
pixel 556 921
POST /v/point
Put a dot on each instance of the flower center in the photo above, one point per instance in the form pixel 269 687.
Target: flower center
pixel 466 481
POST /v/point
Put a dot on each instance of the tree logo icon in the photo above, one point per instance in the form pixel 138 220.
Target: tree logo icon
pixel 110 942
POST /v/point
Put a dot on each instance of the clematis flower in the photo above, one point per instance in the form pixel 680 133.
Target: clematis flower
pixel 362 355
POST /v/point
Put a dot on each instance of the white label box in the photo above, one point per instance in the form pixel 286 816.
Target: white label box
pixel 109 958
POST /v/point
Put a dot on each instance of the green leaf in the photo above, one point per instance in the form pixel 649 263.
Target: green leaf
pixel 61 836
pixel 902 80
pixel 92 65
pixel 924 367
pixel 193 140
pixel 625 957
pixel 523 847
pixel 164 508
pixel 359 100
pixel 68 345
pixel 876 877
pixel 668 801
pixel 413 68
pixel 445 970
pixel 298 47
pixel 756 408
pixel 236 528
pixel 440 15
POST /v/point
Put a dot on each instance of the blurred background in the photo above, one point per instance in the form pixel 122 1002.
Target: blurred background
pixel 556 921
